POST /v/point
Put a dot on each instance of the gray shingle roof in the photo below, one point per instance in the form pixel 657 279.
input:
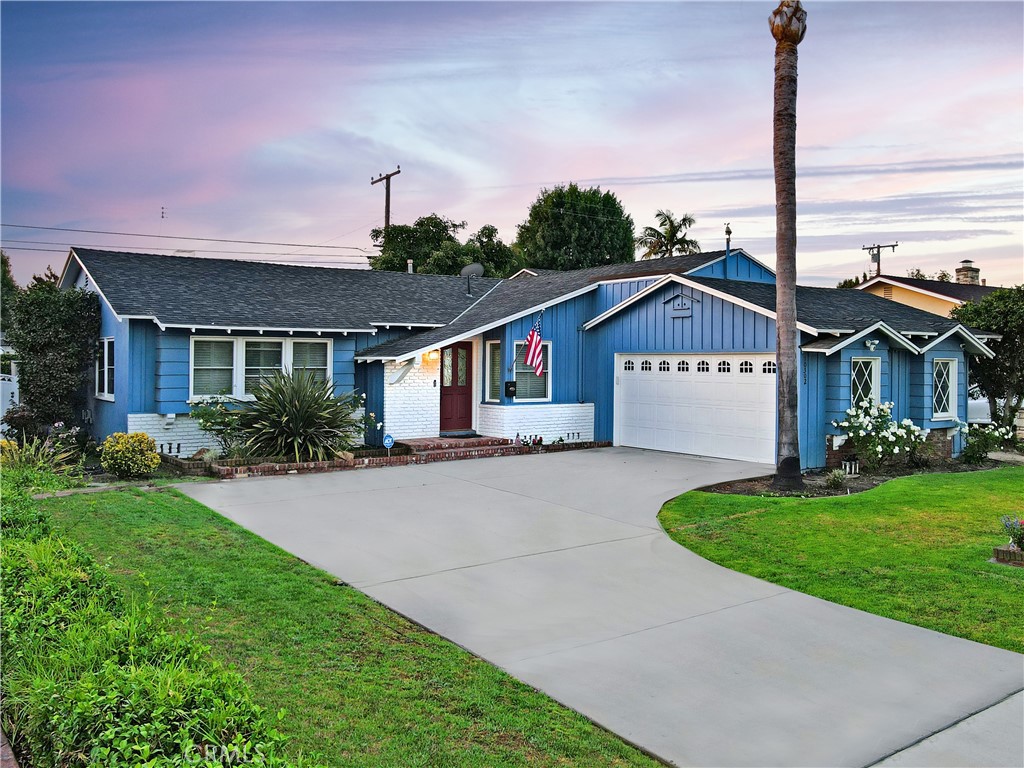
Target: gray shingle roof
pixel 837 309
pixel 190 291
pixel 512 298
pixel 956 291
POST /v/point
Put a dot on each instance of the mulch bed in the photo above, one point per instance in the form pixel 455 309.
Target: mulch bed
pixel 814 482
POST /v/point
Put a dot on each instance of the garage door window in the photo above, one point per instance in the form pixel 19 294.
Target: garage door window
pixel 628 365
pixel 768 367
pixel 703 367
pixel 746 367
pixel 724 367
pixel 645 365
pixel 683 366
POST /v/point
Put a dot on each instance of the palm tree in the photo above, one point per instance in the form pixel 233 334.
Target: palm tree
pixel 788 24
pixel 669 237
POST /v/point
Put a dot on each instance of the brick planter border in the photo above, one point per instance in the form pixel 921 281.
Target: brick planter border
pixel 1009 555
pixel 237 468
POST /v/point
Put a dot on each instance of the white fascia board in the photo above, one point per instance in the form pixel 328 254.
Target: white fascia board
pixel 92 282
pixel 447 341
pixel 523 271
pixel 72 258
pixel 408 325
pixel 259 328
pixel 883 279
pixel 968 336
pixel 640 295
pixel 879 326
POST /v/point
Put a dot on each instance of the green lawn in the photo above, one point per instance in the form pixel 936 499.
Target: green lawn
pixel 914 549
pixel 362 686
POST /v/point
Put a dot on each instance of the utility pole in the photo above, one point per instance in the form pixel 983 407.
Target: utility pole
pixel 876 254
pixel 386 178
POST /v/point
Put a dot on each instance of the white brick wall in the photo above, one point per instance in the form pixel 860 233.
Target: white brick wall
pixel 182 438
pixel 412 407
pixel 550 421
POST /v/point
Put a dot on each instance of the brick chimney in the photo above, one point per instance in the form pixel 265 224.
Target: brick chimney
pixel 967 273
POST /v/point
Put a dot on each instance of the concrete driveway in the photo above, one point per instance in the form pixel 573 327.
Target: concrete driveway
pixel 554 568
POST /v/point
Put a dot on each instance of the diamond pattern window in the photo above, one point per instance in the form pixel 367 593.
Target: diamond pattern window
pixel 863 380
pixel 943 389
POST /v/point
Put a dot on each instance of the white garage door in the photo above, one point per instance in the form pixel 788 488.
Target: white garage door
pixel 710 405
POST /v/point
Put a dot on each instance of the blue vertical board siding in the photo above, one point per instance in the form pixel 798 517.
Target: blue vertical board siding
pixel 561 326
pixel 736 266
pixel 652 325
pixel 813 424
pixel 112 416
pixel 611 294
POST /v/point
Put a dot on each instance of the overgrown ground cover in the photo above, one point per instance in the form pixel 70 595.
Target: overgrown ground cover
pixel 361 685
pixel 914 549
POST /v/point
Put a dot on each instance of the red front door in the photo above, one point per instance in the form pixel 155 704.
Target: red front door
pixel 457 387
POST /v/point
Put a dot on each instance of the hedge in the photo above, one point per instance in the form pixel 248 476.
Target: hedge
pixel 91 678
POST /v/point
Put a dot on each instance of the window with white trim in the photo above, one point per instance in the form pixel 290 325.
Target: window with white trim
pixel 864 380
pixel 943 389
pixel 493 370
pixel 530 386
pixel 105 369
pixel 234 367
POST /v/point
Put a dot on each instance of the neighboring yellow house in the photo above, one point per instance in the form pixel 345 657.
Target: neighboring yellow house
pixel 934 296
pixel 940 298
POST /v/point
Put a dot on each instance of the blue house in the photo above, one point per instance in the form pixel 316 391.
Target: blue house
pixel 674 354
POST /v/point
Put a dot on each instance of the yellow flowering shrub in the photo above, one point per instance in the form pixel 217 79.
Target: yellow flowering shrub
pixel 129 455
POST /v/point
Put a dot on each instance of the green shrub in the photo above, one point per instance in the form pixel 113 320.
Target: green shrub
pixel 129 455
pixel 295 415
pixel 92 679
pixel 219 419
pixel 877 440
pixel 980 440
pixel 835 479
pixel 37 453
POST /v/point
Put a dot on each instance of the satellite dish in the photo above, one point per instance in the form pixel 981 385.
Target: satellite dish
pixel 472 270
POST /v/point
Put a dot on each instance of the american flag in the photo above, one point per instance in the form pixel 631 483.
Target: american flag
pixel 535 349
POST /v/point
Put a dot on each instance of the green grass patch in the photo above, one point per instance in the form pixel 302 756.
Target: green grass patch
pixel 361 685
pixel 914 549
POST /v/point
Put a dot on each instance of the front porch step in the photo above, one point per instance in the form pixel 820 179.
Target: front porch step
pixel 477 452
pixel 426 444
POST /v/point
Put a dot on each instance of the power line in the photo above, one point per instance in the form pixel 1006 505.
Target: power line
pixel 157 248
pixel 182 237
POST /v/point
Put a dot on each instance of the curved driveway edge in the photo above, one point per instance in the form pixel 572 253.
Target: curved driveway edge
pixel 554 567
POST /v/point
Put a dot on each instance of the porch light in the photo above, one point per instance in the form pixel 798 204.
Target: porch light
pixel 871 344
pixel 433 355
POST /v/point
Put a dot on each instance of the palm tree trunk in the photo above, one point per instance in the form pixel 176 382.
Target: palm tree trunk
pixel 788 28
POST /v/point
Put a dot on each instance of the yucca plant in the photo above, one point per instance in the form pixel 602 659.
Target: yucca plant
pixel 296 415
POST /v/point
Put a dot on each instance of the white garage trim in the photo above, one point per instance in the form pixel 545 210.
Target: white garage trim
pixel 712 404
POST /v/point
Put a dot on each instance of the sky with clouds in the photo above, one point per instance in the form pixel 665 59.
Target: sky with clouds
pixel 265 121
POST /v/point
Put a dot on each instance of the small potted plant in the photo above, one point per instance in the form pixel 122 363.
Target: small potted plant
pixel 1013 552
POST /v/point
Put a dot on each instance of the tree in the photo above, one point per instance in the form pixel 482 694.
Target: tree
pixel 484 247
pixel 919 274
pixel 669 237
pixel 8 290
pixel 1000 379
pixel 852 282
pixel 417 242
pixel 54 333
pixel 570 228
pixel 788 23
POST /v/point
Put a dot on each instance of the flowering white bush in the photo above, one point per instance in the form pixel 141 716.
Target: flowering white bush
pixel 876 438
pixel 982 438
